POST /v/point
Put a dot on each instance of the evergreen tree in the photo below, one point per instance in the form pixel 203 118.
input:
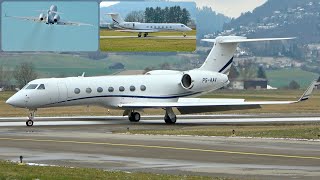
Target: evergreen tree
pixel 261 73
pixel 294 85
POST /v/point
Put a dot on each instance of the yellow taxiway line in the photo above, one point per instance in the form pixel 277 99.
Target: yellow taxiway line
pixel 165 147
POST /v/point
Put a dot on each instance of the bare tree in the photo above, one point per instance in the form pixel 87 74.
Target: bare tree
pixel 24 73
pixel 4 77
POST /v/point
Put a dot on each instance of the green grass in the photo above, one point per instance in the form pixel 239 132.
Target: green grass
pixel 151 45
pixel 106 32
pixel 305 131
pixel 282 77
pixel 54 65
pixel 11 171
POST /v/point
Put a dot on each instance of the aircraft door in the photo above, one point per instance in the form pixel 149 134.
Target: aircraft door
pixel 63 91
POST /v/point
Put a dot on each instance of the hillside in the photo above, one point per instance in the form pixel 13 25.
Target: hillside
pixel 298 18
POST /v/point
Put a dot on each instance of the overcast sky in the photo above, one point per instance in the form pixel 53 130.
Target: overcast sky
pixel 231 8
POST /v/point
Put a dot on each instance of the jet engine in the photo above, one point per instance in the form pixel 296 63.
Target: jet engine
pixel 196 81
pixel 56 18
pixel 41 17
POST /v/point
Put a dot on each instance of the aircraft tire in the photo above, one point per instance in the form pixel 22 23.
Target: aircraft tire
pixel 169 120
pixel 134 117
pixel 29 123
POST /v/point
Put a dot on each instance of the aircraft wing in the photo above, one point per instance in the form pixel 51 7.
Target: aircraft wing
pixel 69 23
pixel 36 19
pixel 199 105
pixel 138 31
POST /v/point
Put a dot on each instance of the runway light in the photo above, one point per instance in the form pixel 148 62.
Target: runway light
pixel 233 132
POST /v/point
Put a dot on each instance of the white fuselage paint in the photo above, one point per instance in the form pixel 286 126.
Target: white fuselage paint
pixel 159 88
pixel 154 26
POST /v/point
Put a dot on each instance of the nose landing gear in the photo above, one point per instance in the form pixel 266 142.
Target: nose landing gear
pixel 29 122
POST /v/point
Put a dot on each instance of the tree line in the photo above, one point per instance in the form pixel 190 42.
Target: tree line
pixel 174 14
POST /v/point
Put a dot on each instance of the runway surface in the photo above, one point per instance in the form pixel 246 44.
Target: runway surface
pixel 92 144
pixel 158 119
pixel 148 37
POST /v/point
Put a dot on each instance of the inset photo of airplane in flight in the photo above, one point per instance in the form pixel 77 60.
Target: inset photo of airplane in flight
pixel 153 26
pixel 49 26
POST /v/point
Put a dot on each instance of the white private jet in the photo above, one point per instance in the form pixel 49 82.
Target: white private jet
pixel 51 17
pixel 163 89
pixel 146 28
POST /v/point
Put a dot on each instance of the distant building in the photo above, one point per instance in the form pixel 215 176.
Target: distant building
pixel 256 83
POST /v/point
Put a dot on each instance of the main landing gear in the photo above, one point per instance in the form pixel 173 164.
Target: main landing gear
pixel 170 117
pixel 134 116
pixel 144 35
pixel 29 122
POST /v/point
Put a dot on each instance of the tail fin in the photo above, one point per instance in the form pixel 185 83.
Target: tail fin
pixel 221 55
pixel 116 18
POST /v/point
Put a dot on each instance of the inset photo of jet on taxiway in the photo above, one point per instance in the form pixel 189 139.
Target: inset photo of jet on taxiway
pixel 152 26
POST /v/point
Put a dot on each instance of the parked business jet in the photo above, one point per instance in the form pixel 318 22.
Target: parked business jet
pixel 146 28
pixel 50 16
pixel 165 89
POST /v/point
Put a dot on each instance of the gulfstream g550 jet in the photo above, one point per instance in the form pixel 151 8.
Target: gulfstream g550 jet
pixel 163 89
pixel 146 28
pixel 50 16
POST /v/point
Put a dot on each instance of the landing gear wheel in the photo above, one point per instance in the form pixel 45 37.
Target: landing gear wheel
pixel 145 34
pixel 29 123
pixel 139 35
pixel 169 120
pixel 184 35
pixel 134 117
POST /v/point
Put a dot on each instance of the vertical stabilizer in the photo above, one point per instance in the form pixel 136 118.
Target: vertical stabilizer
pixel 116 18
pixel 221 55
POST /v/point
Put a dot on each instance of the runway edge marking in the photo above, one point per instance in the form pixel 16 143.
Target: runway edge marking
pixel 165 147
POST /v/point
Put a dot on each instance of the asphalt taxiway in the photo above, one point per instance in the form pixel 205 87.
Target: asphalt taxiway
pixel 94 145
pixel 148 37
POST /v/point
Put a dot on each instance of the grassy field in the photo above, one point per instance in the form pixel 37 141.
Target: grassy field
pixel 302 131
pixel 280 78
pixel 143 44
pixel 10 171
pixel 310 106
pixel 147 45
pixel 55 65
pixel 106 32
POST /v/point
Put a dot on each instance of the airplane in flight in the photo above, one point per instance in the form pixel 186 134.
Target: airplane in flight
pixel 50 17
pixel 161 89
pixel 146 28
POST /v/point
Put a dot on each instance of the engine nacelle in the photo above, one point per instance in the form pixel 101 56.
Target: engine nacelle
pixel 56 18
pixel 196 80
pixel 41 17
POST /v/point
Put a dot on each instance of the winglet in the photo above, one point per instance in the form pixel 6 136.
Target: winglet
pixel 308 92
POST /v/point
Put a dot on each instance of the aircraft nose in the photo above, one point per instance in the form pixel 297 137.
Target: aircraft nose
pixel 15 101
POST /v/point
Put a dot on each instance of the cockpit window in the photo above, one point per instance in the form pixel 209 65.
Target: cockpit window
pixel 182 25
pixel 32 86
pixel 41 86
